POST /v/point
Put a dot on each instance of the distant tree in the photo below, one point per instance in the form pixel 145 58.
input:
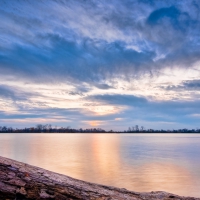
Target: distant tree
pixel 4 129
pixel 49 126
pixel 39 127
pixel 10 129
pixel 44 127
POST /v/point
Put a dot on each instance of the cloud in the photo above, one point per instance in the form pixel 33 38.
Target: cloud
pixel 93 46
pixel 168 27
pixel 190 85
pixel 140 108
pixel 114 99
pixel 13 93
pixel 6 92
pixel 157 16
pixel 193 84
pixel 111 57
pixel 70 61
pixel 103 86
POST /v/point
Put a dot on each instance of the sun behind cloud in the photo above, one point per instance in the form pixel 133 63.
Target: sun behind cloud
pixel 94 123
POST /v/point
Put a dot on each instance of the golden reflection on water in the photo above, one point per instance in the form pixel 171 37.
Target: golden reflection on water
pixel 101 158
pixel 106 156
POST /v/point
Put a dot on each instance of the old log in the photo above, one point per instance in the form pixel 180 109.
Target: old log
pixel 20 181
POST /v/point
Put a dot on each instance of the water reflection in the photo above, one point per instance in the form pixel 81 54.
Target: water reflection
pixel 136 162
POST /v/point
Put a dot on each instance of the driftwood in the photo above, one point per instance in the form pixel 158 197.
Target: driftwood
pixel 19 181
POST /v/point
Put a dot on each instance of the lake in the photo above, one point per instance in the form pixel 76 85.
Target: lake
pixel 138 162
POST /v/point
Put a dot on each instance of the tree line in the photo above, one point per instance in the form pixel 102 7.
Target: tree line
pixel 48 128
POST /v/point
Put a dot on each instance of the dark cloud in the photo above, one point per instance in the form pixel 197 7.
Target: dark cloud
pixel 9 92
pixel 146 110
pixel 157 16
pixel 130 100
pixel 61 49
pixel 71 61
pixel 69 47
pixel 6 92
pixel 103 86
pixel 193 84
pixel 185 85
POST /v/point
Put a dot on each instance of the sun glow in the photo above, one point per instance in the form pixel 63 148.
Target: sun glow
pixel 104 110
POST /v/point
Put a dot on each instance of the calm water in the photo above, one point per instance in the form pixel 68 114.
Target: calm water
pixel 139 162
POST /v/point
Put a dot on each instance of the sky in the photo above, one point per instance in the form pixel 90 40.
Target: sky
pixel 100 64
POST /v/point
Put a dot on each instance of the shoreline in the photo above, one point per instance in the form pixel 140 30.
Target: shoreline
pixel 23 181
pixel 121 133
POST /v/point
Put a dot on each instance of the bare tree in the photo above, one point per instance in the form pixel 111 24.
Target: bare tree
pixel 39 127
pixel 49 126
